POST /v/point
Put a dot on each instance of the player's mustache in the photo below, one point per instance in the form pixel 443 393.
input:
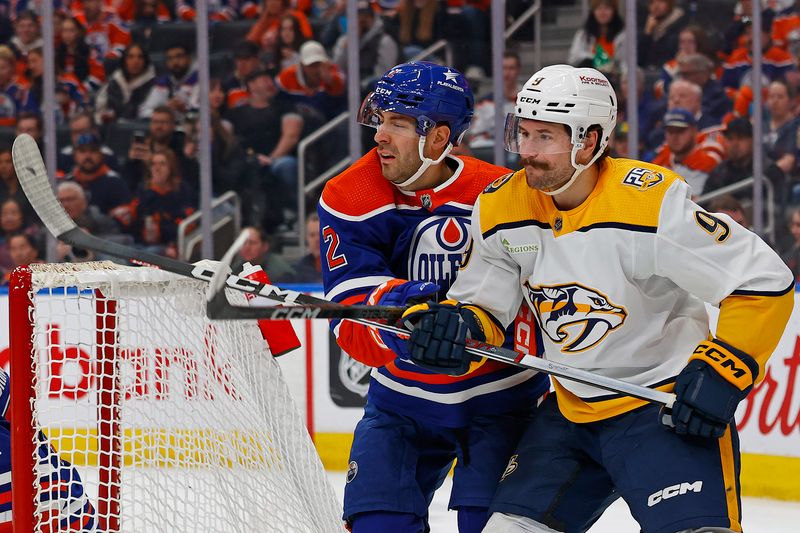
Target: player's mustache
pixel 529 162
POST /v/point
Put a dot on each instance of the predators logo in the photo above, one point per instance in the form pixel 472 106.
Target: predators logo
pixel 574 316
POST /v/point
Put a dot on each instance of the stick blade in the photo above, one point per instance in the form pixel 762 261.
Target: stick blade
pixel 32 176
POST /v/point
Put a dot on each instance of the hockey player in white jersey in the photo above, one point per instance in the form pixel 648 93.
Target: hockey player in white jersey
pixel 616 261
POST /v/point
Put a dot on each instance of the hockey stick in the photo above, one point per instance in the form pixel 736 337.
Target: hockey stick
pixel 32 176
pixel 218 307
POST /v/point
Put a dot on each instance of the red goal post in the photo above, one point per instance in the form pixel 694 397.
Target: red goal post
pixel 173 422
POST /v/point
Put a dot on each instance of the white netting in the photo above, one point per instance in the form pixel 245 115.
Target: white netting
pixel 186 423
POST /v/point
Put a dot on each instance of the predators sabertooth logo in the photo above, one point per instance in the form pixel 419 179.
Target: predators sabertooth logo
pixel 574 316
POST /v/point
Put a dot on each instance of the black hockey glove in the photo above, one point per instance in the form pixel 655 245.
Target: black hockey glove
pixel 438 336
pixel 710 387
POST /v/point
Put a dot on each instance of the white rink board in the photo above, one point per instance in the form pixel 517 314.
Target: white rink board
pixel 769 419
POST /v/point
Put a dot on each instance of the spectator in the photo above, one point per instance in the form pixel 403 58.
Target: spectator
pixel 781 126
pixel 9 184
pixel 12 222
pixel 128 87
pixel 13 92
pixel 658 41
pixel 104 188
pixel 286 51
pixel 734 36
pixel 315 82
pixel 245 62
pixel 699 69
pixel 791 255
pixel 480 136
pixel 144 13
pixel 693 39
pixel 681 152
pixel 218 102
pixel 75 56
pixel 309 268
pixel 31 123
pixel 600 43
pixel 270 131
pixel 73 199
pixel 228 159
pixel 219 11
pixel 265 31
pixel 162 134
pixel 737 69
pixel 728 204
pixel 163 201
pixel 79 124
pixel 104 31
pixel 27 36
pixel 23 250
pixel 71 95
pixel 649 110
pixel 786 26
pixel 377 50
pixel 684 94
pixel 177 89
pixel 257 250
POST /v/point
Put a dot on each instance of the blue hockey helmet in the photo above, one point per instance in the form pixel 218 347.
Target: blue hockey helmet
pixel 429 93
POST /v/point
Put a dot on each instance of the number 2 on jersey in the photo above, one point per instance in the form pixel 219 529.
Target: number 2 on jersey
pixel 334 258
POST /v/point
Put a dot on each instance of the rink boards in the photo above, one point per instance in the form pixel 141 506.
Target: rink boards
pixel 329 388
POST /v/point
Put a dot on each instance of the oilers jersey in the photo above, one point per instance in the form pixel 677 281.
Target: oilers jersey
pixel 372 232
pixel 63 504
pixel 618 284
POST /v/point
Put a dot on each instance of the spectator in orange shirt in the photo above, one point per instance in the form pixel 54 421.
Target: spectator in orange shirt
pixel 27 36
pixel 104 31
pixel 681 152
pixel 75 56
pixel 265 31
pixel 776 62
pixel 316 81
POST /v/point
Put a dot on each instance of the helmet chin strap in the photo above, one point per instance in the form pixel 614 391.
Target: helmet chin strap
pixel 578 169
pixel 426 162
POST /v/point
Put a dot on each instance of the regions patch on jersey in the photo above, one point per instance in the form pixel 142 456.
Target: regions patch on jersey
pixel 643 178
pixel 352 471
pixel 499 182
pixel 574 316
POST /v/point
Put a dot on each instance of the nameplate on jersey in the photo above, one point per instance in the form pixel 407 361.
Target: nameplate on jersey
pixel 643 178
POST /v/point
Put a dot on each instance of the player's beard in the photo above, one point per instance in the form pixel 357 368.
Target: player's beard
pixel 549 177
pixel 401 168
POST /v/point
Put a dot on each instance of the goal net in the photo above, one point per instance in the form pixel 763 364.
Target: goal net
pixel 133 412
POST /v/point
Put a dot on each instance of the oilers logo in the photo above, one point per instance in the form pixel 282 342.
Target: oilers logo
pixel 436 250
pixel 574 316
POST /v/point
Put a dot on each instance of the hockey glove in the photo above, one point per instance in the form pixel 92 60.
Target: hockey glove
pixel 710 387
pixel 402 294
pixel 439 334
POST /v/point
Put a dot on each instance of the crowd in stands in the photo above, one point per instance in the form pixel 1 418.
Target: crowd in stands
pixel 127 102
pixel 695 101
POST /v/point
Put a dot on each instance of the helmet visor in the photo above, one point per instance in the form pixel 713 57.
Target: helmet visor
pixel 522 137
pixel 374 115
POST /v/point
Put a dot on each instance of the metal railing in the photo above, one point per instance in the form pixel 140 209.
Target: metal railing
pixel 747 183
pixel 534 11
pixel 188 238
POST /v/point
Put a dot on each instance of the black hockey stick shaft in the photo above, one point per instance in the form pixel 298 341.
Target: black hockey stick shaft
pixel 32 176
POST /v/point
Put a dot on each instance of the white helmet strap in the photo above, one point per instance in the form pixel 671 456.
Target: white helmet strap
pixel 426 161
pixel 577 166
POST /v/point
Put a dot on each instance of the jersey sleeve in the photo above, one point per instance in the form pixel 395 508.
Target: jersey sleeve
pixel 714 258
pixel 488 277
pixel 355 260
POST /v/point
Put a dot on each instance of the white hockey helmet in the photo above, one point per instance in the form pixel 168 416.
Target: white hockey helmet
pixel 563 94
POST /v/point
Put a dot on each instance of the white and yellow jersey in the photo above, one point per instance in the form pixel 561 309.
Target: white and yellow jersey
pixel 617 284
